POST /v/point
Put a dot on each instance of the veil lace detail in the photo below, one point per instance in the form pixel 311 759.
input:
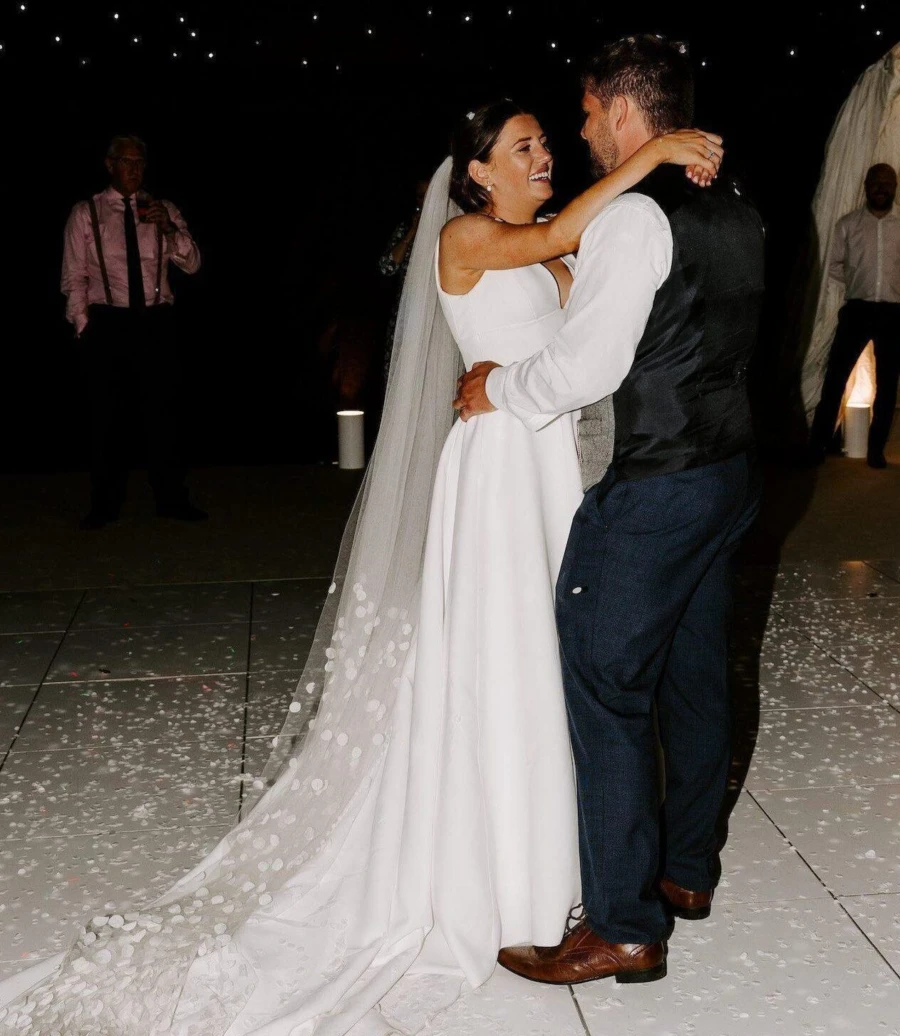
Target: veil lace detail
pixel 178 965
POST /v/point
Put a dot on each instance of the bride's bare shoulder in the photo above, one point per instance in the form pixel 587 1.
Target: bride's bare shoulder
pixel 467 223
pixel 463 233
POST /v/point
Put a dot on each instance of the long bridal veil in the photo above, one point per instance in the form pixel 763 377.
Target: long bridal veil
pixel 380 559
pixel 255 938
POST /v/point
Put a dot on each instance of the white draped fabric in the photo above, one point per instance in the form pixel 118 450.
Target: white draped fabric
pixel 866 131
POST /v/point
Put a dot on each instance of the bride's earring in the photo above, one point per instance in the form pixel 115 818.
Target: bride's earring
pixel 490 187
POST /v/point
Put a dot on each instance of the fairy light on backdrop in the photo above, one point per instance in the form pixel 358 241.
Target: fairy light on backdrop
pixel 470 19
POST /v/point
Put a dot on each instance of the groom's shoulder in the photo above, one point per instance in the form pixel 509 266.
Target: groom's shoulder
pixel 629 211
pixel 644 206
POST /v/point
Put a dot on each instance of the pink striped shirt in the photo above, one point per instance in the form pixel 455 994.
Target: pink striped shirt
pixel 82 281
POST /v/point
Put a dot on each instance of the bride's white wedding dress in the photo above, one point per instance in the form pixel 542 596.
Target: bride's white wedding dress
pixel 462 835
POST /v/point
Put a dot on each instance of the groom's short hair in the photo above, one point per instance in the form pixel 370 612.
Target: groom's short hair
pixel 655 72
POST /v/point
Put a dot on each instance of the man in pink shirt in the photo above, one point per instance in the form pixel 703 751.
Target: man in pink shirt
pixel 118 246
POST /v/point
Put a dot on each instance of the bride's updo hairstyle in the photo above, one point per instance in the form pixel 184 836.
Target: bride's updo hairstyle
pixel 474 140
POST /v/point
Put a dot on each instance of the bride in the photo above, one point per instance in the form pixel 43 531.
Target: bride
pixel 426 816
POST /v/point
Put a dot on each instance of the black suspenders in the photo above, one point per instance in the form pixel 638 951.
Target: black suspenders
pixel 157 298
pixel 95 223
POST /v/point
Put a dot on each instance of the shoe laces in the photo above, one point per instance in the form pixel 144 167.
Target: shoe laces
pixel 576 917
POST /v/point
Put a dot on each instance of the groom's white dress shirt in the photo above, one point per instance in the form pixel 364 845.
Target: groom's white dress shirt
pixel 624 258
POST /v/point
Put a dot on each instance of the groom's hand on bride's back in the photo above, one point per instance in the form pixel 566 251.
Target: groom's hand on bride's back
pixel 471 391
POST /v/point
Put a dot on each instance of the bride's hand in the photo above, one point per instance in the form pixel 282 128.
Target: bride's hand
pixel 701 153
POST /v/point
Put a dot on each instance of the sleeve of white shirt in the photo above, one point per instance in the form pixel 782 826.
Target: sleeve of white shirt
pixel 74 282
pixel 182 248
pixel 625 255
pixel 837 264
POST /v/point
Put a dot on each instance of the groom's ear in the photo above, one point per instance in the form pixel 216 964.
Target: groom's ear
pixel 619 111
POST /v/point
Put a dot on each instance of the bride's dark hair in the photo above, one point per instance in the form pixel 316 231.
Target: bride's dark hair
pixel 475 139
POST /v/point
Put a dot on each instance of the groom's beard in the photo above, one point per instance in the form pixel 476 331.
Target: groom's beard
pixel 604 157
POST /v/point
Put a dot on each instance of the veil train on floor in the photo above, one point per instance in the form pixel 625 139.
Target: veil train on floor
pixel 251 933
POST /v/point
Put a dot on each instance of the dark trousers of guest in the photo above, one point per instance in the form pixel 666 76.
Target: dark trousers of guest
pixel 859 323
pixel 134 384
pixel 643 607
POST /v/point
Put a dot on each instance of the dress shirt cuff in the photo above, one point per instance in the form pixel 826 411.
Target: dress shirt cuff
pixel 495 389
pixel 178 246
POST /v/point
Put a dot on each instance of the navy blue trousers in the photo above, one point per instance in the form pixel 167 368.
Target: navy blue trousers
pixel 643 607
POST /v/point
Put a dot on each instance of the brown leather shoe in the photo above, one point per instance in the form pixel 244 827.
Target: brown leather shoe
pixel 689 906
pixel 583 956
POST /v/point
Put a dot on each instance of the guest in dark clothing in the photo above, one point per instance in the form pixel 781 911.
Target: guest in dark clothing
pixel 118 246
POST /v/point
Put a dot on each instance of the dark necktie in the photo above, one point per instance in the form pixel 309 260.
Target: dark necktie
pixel 133 259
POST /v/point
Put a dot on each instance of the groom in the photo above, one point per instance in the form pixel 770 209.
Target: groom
pixel 661 323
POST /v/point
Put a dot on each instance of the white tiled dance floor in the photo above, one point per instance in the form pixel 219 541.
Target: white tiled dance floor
pixel 130 717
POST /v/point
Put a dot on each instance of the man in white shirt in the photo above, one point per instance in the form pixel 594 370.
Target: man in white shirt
pixel 661 323
pixel 865 260
pixel 117 250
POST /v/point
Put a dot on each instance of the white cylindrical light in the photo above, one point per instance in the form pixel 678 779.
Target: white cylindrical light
pixel 351 440
pixel 856 429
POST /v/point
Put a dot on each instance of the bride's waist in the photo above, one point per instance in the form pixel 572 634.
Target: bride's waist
pixel 509 343
pixel 502 352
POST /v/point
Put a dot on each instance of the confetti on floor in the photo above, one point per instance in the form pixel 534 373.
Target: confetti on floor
pixel 133 720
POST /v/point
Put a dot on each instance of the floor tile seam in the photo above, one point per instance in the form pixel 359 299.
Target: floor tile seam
pixel 136 586
pixel 819 708
pixel 228 825
pixel 253 672
pixel 791 624
pixel 873 706
pixel 223 826
pixel 893 890
pixel 113 751
pixel 867 895
pixel 780 602
pixel 158 626
pixel 856 676
pixel 198 830
pixel 868 785
pixel 100 745
pixel 828 645
pixel 762 640
pixel 579 1012
pixel 34 633
pixel 722 900
pixel 868 939
pixel 280 671
pixel 788 841
pixel 40 683
pixel 103 679
pixel 139 679
pixel 881 572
